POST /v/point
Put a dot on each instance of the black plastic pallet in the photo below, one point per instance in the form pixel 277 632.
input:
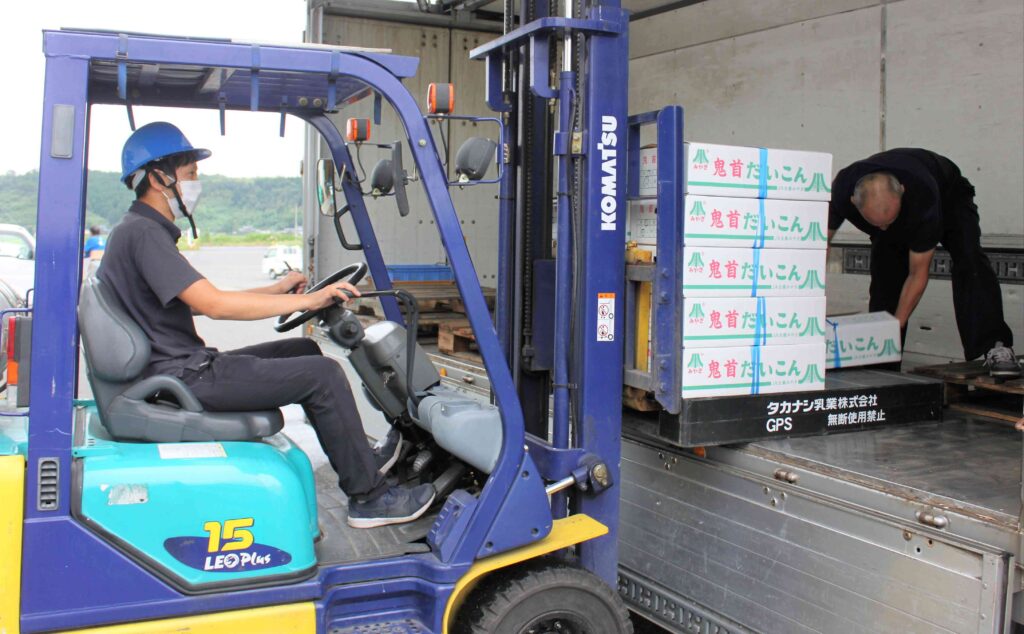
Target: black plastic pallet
pixel 852 400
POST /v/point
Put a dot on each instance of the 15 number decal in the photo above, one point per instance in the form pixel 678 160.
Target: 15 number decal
pixel 233 536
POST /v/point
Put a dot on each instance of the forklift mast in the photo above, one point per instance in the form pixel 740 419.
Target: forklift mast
pixel 569 121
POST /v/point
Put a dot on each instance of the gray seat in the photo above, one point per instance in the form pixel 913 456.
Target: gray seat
pixel 464 427
pixel 116 354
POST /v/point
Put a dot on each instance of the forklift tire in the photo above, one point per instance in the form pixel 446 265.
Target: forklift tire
pixel 546 596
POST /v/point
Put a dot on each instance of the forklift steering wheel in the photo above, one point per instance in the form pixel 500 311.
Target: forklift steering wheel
pixel 352 274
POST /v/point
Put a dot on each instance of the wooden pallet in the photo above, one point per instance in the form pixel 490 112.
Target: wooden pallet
pixel 458 340
pixel 970 389
pixel 431 297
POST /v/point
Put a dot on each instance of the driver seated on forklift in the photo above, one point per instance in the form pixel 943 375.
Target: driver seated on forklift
pixel 161 291
pixel 908 200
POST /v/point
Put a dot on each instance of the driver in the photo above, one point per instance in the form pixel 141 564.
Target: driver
pixel 161 291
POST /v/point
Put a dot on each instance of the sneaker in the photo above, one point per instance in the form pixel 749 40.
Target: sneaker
pixel 388 450
pixel 1002 362
pixel 396 506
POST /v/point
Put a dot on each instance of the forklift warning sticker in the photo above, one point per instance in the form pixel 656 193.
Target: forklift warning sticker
pixel 606 316
pixel 191 450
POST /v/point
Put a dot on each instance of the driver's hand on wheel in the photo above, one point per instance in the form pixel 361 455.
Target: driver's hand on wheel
pixel 293 282
pixel 340 293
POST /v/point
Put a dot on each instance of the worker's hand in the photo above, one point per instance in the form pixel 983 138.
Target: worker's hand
pixel 293 282
pixel 1020 425
pixel 336 293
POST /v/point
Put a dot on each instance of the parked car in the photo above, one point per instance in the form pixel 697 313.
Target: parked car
pixel 278 260
pixel 17 258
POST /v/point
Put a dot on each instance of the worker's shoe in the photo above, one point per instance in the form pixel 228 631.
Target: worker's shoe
pixel 1002 362
pixel 388 450
pixel 396 506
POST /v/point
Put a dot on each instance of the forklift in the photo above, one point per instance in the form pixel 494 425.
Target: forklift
pixel 135 510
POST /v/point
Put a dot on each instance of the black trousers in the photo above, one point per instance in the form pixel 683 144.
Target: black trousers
pixel 277 373
pixel 977 298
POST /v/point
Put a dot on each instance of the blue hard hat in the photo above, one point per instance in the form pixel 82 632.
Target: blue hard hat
pixel 152 142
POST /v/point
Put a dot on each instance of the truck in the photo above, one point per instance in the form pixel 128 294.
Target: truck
pixel 901 528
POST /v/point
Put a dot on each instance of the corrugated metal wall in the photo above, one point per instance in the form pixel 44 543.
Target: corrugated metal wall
pixel 852 77
pixel 444 57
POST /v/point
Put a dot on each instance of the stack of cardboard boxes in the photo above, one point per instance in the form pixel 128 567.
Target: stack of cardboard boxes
pixel 754 266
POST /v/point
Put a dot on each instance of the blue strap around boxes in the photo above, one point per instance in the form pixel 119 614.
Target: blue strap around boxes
pixel 759 238
pixel 755 361
pixel 762 173
pixel 836 359
pixel 757 273
pixel 761 337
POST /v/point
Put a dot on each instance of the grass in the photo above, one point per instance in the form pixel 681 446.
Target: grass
pixel 255 239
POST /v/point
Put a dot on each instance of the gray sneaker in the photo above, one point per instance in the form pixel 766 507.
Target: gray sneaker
pixel 388 450
pixel 396 506
pixel 1002 362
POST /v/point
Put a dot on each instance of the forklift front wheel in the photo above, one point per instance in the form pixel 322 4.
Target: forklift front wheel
pixel 543 596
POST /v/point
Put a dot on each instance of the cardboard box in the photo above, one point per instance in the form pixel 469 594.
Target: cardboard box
pixel 730 272
pixel 752 321
pixel 737 222
pixel 735 171
pixel 728 371
pixel 864 339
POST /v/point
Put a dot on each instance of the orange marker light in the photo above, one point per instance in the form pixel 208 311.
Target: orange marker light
pixel 357 130
pixel 441 98
pixel 12 365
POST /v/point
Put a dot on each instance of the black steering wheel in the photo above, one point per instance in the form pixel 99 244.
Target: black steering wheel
pixel 352 274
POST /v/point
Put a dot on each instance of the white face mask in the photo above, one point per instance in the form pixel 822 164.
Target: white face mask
pixel 190 192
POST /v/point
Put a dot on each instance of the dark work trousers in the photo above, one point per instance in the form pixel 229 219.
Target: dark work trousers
pixel 277 373
pixel 977 298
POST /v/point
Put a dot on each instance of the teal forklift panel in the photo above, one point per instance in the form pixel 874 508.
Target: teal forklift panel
pixel 203 515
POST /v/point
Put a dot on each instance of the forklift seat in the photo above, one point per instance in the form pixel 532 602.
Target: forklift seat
pixel 116 354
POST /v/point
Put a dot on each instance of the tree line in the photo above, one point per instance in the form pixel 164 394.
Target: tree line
pixel 228 205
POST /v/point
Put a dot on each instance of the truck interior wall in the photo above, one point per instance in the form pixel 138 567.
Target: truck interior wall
pixel 443 55
pixel 853 77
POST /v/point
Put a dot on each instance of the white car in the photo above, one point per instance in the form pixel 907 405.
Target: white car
pixel 17 258
pixel 280 259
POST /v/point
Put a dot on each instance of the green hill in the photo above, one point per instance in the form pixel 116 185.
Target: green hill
pixel 228 206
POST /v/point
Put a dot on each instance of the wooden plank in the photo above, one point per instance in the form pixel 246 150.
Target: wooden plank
pixel 453 338
pixel 962 370
pixel 638 400
pixel 978 410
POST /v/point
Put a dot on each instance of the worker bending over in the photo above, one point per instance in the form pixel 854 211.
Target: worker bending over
pixel 909 200
pixel 160 290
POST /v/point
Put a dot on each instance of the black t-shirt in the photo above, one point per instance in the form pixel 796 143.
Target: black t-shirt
pixel 930 182
pixel 143 267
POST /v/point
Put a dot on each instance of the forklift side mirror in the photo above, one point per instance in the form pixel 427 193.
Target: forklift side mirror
pixel 325 185
pixel 399 179
pixel 382 178
pixel 474 158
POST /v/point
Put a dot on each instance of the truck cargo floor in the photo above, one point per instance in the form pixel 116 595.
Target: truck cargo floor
pixel 966 463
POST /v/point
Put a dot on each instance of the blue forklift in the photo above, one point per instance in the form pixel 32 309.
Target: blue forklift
pixel 137 511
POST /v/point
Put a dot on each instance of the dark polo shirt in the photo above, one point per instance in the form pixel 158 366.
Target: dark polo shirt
pixel 143 267
pixel 931 183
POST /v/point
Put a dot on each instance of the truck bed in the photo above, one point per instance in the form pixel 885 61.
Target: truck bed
pixel 829 533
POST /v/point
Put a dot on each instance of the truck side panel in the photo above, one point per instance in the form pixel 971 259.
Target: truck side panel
pixel 777 561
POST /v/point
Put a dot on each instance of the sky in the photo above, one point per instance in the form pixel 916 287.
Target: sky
pixel 21 25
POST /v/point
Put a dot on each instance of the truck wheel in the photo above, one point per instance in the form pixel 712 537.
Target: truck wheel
pixel 546 597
